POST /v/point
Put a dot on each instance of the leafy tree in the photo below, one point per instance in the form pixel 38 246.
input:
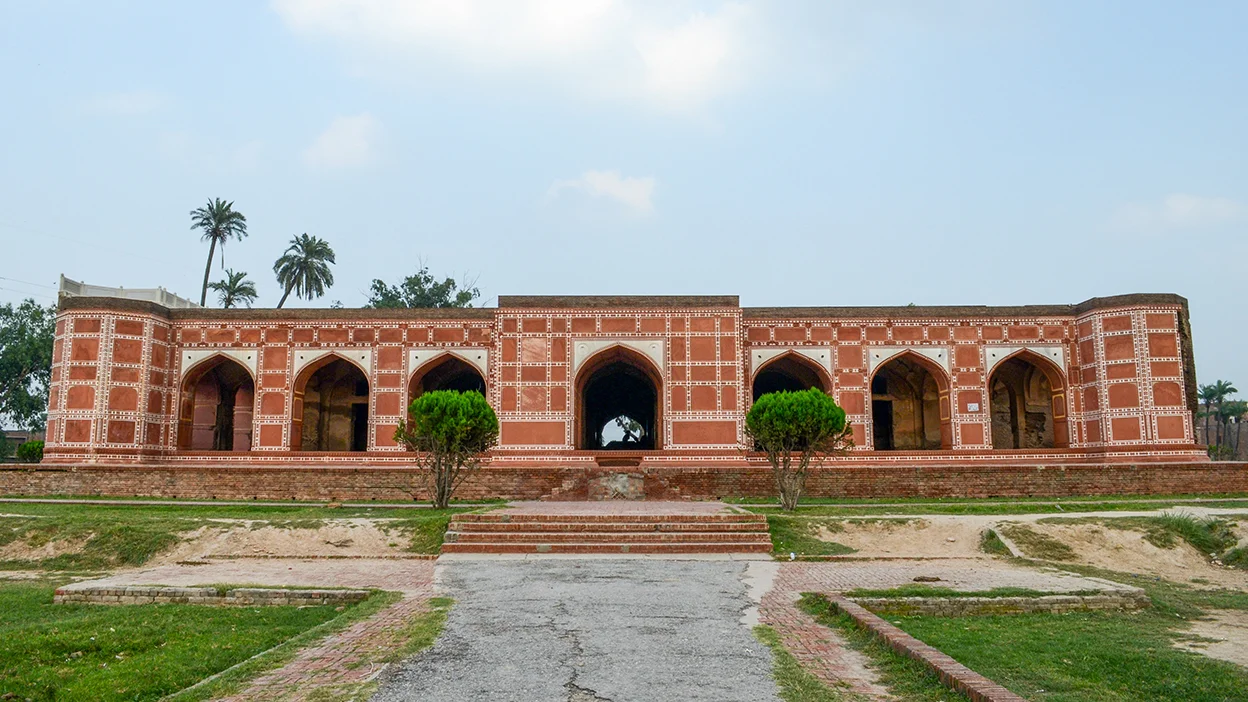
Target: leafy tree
pixel 219 222
pixel 235 288
pixel 304 268
pixel 30 452
pixel 26 335
pixel 795 429
pixel 1230 412
pixel 449 431
pixel 422 290
pixel 6 449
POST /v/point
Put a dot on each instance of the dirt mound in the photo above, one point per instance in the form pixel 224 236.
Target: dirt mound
pixel 26 550
pixel 1128 551
pixel 1228 630
pixel 930 537
pixel 355 538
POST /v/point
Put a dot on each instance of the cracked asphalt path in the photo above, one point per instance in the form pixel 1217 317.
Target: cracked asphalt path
pixel 590 631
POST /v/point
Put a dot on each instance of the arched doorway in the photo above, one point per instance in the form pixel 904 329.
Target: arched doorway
pixel 330 411
pixel 910 405
pixel 217 403
pixel 790 372
pixel 618 406
pixel 448 372
pixel 1027 403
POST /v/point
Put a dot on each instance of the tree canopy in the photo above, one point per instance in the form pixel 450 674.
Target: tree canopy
pixel 449 430
pixel 421 290
pixel 234 288
pixel 794 429
pixel 26 335
pixel 304 268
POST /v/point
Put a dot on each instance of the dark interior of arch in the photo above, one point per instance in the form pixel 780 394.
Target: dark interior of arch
pixel 451 374
pixel 1021 404
pixel 335 409
pixel 905 407
pixel 221 408
pixel 786 374
pixel 619 389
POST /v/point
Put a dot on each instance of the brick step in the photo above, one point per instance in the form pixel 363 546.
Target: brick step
pixel 591 548
pixel 618 527
pixel 606 537
pixel 583 518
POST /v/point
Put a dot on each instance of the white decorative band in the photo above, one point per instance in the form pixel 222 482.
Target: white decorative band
pixel 478 358
pixel 247 356
pixel 879 355
pixel 997 354
pixel 360 357
pixel 582 349
pixel 821 355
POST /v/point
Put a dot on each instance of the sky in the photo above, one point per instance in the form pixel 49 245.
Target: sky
pixel 792 153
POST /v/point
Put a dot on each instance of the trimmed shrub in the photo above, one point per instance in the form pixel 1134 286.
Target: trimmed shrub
pixel 449 431
pixel 30 452
pixel 795 429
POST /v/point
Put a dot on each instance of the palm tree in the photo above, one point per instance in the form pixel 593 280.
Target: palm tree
pixel 219 222
pixel 1208 394
pixel 1229 415
pixel 235 288
pixel 304 268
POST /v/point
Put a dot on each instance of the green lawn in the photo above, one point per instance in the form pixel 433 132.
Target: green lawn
pixel 121 536
pixel 141 652
pixel 987 507
pixel 1094 656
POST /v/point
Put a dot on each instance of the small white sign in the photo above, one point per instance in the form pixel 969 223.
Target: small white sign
pixel 972 407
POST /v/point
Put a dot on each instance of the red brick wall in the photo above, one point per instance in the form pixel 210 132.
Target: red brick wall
pixel 667 482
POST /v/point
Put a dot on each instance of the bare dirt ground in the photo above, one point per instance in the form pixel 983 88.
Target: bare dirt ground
pixel 1128 551
pixel 929 537
pixel 1229 629
pixel 24 550
pixel 354 538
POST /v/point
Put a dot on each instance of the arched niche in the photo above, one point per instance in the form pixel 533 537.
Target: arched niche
pixel 1027 403
pixel 790 372
pixel 330 411
pixel 619 383
pixel 910 405
pixel 446 372
pixel 216 405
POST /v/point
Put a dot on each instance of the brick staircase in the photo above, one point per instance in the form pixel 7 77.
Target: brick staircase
pixel 579 533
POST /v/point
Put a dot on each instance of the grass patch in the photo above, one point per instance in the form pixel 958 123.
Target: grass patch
pixel 848 508
pixel 992 544
pixel 132 652
pixel 795 683
pixel 1096 499
pixel 1212 536
pixel 1036 545
pixel 917 590
pixel 800 536
pixel 908 679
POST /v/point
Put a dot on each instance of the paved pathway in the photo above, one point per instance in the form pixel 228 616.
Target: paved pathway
pixel 622 630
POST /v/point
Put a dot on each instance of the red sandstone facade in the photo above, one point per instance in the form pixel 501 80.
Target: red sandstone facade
pixel 134 385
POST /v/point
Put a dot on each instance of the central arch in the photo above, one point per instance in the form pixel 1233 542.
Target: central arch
pixel 910 405
pixel 216 406
pixel 790 372
pixel 1027 403
pixel 618 394
pixel 331 407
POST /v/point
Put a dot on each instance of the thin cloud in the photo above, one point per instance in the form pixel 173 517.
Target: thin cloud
pixel 601 48
pixel 348 142
pixel 635 193
pixel 1177 211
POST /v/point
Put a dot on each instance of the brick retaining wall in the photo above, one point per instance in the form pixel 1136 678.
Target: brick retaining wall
pixel 575 482
pixel 238 597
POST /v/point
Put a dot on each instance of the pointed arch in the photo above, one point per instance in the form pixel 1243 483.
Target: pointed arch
pixel 618 381
pixel 789 371
pixel 446 371
pixel 216 402
pixel 342 373
pixel 910 394
pixel 1017 401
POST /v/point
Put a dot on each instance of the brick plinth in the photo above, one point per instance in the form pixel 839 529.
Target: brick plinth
pixel 571 482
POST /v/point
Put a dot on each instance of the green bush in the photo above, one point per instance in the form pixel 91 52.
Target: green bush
pixel 806 425
pixel 449 431
pixel 30 452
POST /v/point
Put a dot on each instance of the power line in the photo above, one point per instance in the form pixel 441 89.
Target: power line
pixel 27 282
pixel 24 292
